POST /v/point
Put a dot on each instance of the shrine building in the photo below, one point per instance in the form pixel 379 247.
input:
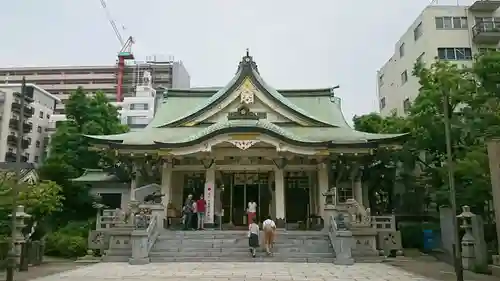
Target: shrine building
pixel 247 141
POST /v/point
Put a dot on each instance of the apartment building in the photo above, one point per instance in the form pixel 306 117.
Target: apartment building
pixel 61 81
pixel 39 107
pixel 452 33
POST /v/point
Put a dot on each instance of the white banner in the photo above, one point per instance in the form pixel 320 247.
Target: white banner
pixel 209 198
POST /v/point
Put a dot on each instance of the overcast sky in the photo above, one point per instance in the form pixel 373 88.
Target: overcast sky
pixel 297 44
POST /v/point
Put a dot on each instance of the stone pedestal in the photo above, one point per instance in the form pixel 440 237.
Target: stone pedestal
pixel 157 210
pixel 329 212
pixel 343 243
pixel 140 253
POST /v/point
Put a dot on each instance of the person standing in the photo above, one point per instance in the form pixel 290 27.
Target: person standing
pixel 201 206
pixel 251 211
pixel 253 236
pixel 269 227
pixel 188 212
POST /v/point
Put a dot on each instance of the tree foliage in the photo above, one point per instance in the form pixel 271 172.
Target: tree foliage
pixel 473 100
pixel 69 152
pixel 40 200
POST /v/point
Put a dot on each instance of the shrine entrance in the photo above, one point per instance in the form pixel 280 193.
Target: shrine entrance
pixel 241 188
pixel 297 197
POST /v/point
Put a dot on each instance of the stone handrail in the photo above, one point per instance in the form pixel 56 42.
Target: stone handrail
pixel 342 242
pixel 384 223
pixel 143 240
pixel 152 232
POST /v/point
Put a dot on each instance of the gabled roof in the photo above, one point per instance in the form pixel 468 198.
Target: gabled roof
pixel 247 69
pixel 96 175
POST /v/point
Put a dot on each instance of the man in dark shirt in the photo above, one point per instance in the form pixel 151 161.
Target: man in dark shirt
pixel 188 212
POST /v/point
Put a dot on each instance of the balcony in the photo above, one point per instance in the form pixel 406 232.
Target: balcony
pixel 11 157
pixel 484 6
pixel 12 140
pixel 14 124
pixel 28 95
pixel 28 110
pixel 486 33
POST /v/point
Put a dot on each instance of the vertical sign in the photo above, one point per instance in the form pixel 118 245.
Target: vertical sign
pixel 209 198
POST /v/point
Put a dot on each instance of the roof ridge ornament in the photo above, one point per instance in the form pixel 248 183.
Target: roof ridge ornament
pixel 247 62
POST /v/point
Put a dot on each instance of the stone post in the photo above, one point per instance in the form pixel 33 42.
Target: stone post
pixel 468 241
pixel 134 180
pixel 140 253
pixel 494 160
pixel 18 236
pixel 166 184
pixel 279 194
pixel 480 248
pixel 323 187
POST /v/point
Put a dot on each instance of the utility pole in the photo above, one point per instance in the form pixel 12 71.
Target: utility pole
pixel 12 255
pixel 457 251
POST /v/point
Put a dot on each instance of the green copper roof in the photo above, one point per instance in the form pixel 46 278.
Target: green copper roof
pixel 319 106
pixel 96 175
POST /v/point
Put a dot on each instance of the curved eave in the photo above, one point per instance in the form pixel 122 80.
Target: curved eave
pixel 221 94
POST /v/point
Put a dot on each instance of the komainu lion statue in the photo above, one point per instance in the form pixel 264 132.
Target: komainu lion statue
pixel 358 213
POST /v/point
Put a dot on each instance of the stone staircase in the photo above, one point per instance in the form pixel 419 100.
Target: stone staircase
pixel 216 245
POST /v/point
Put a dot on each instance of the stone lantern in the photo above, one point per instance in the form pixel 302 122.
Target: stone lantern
pixel 18 228
pixel 468 241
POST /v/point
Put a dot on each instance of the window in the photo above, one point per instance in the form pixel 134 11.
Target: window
pixel 137 120
pixel 486 50
pixel 39 129
pixel 36 159
pixel 417 31
pixel 139 106
pixel 37 143
pixel 404 77
pixel 41 114
pixel 455 53
pixel 420 58
pixel 402 50
pixel 382 103
pixel 345 192
pixel 381 80
pixel 406 105
pixel 27 155
pixel 451 23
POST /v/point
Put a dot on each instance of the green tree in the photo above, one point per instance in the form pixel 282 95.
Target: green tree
pixel 40 200
pixel 69 150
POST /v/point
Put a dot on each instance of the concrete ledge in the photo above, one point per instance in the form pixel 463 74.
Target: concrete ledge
pixel 495 270
pixel 338 261
pixel 142 261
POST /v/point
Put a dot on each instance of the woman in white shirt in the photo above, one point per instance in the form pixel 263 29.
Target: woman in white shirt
pixel 251 211
pixel 253 236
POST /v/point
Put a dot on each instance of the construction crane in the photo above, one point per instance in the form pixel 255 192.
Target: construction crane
pixel 124 54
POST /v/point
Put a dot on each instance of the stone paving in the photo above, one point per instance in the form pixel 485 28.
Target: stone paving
pixel 235 271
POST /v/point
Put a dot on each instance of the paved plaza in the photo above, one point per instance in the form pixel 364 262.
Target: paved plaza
pixel 235 271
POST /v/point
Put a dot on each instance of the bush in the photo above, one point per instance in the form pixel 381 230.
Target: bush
pixel 69 241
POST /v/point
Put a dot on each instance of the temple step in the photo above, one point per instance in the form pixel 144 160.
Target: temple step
pixel 216 245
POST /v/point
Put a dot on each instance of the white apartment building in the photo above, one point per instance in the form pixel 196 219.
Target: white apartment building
pixel 452 33
pixel 136 111
pixel 61 81
pixel 39 107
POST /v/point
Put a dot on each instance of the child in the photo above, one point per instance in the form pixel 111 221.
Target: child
pixel 269 228
pixel 253 236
